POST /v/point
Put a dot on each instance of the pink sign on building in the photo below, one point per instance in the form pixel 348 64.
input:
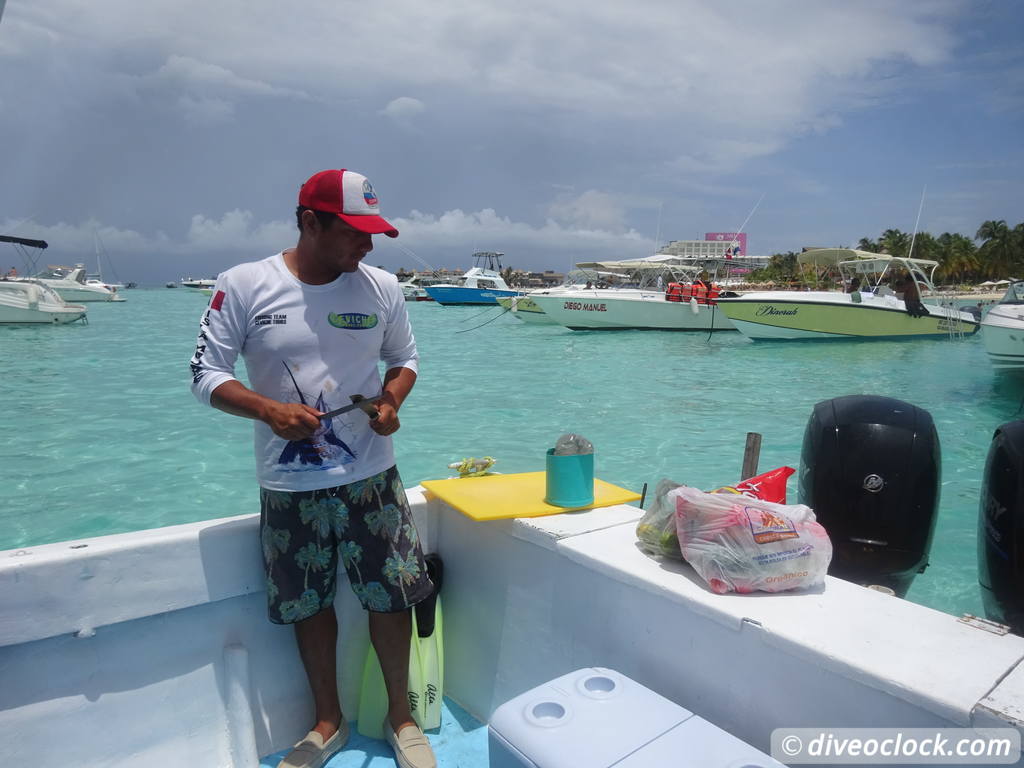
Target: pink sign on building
pixel 737 239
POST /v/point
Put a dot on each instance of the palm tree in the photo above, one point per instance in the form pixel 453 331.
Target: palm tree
pixel 866 244
pixel 894 242
pixel 957 256
pixel 996 252
pixel 925 247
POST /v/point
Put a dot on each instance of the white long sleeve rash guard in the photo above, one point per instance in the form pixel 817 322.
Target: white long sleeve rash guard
pixel 312 344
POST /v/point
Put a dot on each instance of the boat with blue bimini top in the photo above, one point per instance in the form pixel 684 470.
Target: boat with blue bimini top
pixel 887 297
pixel 483 284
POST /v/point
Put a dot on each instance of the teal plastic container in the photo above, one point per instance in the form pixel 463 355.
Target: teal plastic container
pixel 570 480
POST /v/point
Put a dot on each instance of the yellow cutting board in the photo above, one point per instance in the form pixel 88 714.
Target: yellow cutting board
pixel 497 497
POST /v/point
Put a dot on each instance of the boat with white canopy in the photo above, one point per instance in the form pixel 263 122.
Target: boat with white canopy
pixel 24 300
pixel 70 283
pixel 650 303
pixel 888 297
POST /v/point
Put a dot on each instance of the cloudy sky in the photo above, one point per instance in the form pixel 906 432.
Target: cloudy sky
pixel 180 131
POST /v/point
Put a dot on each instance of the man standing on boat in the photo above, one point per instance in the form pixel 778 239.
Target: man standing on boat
pixel 312 324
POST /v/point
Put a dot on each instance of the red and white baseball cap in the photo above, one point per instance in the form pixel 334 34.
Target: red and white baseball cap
pixel 349 195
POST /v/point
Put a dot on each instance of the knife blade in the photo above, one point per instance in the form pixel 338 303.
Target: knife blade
pixel 365 404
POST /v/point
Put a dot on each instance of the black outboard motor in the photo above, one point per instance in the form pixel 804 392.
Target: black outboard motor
pixel 870 469
pixel 1001 528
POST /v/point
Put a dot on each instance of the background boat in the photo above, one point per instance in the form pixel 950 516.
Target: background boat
pixel 70 283
pixel 875 311
pixel 526 309
pixel 198 282
pixel 414 289
pixel 644 305
pixel 27 301
pixel 483 284
pixel 1002 329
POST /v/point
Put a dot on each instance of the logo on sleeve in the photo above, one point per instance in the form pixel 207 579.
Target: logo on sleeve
pixel 217 301
pixel 355 321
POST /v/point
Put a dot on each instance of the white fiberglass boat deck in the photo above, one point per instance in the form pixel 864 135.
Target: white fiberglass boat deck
pixel 153 648
pixel 1002 329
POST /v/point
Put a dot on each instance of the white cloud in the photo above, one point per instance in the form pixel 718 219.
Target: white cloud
pixel 736 81
pixel 191 73
pixel 446 239
pixel 203 110
pixel 590 210
pixel 237 231
pixel 403 108
pixel 459 232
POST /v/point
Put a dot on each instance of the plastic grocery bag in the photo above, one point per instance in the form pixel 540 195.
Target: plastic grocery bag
pixel 656 530
pixel 739 544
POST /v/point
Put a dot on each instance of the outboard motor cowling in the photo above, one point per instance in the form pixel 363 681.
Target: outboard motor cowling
pixel 870 469
pixel 1001 528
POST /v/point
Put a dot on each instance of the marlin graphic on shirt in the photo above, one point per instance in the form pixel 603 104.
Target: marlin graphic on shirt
pixel 324 447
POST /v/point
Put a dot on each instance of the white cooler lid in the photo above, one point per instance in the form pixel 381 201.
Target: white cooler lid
pixel 591 717
pixel 697 743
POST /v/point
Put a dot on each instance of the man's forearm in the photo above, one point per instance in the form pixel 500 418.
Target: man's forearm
pixel 398 382
pixel 290 421
pixel 235 398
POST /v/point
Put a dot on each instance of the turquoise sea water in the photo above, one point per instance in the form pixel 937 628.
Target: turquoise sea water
pixel 101 433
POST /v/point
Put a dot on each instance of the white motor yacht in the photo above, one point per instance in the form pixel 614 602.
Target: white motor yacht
pixel 70 283
pixel 524 308
pixel 198 282
pixel 650 305
pixel 29 301
pixel 1002 329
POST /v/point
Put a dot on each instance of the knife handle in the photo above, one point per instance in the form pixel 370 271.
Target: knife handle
pixel 373 413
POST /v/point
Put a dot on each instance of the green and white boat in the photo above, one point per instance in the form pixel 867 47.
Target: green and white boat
pixel 871 309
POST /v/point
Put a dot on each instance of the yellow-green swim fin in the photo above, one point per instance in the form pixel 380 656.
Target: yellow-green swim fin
pixel 426 668
pixel 428 645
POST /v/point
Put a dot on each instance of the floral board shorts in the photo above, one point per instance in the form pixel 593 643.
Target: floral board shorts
pixel 368 524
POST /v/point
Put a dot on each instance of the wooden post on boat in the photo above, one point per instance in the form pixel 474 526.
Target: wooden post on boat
pixel 751 455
